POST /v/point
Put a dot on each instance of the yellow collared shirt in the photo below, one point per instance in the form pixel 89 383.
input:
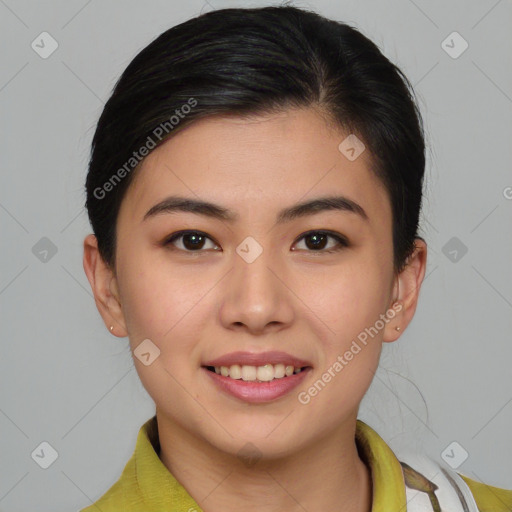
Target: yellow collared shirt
pixel 147 485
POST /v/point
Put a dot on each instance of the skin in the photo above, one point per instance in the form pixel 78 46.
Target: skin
pixel 307 303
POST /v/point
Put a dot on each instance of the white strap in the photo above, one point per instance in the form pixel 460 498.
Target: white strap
pixel 424 475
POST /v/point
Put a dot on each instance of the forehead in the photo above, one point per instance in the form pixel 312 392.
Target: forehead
pixel 256 165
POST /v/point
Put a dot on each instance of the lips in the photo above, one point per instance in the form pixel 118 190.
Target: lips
pixel 257 377
pixel 260 359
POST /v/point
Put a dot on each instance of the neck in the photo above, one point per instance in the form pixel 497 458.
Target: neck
pixel 328 475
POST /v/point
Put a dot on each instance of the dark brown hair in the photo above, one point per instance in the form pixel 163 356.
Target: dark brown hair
pixel 254 61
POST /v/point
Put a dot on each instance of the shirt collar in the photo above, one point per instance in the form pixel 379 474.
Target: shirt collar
pixel 388 484
pixel 155 480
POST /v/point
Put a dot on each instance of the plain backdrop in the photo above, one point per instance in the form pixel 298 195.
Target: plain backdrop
pixel 66 381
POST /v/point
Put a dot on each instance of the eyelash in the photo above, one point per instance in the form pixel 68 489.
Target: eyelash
pixel 342 241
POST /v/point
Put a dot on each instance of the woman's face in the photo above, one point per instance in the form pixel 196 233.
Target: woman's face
pixel 256 284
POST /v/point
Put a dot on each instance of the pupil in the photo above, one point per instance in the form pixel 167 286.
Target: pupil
pixel 316 237
pixel 189 237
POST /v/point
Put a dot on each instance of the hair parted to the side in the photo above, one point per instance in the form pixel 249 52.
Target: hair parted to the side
pixel 256 61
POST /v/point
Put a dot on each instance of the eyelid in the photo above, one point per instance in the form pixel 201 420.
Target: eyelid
pixel 341 239
pixel 177 234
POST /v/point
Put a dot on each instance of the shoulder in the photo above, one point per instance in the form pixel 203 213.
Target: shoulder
pixel 429 484
pixel 121 495
pixel 489 498
pixel 432 485
pixel 115 498
pixel 112 501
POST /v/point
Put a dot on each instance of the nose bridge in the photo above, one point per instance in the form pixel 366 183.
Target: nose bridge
pixel 255 296
pixel 252 274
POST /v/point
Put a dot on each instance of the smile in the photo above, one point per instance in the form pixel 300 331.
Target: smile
pixel 265 373
pixel 253 389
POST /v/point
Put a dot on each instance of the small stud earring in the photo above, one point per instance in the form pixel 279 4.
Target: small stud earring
pixel 111 328
pixel 397 328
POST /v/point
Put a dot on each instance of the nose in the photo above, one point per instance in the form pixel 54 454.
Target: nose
pixel 256 297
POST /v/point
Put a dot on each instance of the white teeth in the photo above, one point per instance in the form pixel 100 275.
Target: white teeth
pixel 249 372
pixel 264 373
pixel 235 372
pixel 278 371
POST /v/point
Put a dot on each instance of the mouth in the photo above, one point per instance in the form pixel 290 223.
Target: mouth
pixel 266 373
pixel 257 377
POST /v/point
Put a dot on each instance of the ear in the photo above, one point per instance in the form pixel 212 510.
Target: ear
pixel 104 286
pixel 406 292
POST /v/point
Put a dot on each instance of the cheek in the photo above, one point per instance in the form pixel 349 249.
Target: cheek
pixel 349 302
pixel 156 306
pixel 165 306
pixel 350 297
pixel 153 300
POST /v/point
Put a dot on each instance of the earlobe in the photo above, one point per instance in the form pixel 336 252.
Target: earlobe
pixel 104 287
pixel 407 292
pixel 117 325
pixel 394 327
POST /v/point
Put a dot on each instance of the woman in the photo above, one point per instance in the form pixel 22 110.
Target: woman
pixel 254 188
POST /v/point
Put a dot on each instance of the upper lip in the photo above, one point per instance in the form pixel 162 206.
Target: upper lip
pixel 259 359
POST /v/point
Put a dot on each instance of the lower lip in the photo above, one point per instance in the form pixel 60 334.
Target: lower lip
pixel 258 392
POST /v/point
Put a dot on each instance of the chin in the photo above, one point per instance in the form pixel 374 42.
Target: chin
pixel 262 439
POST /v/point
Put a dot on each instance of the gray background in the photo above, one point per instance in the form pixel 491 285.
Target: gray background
pixel 67 381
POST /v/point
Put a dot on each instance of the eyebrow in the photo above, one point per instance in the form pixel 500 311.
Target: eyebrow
pixel 173 204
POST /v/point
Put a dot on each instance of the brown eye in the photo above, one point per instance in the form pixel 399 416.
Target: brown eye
pixel 191 241
pixel 316 241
